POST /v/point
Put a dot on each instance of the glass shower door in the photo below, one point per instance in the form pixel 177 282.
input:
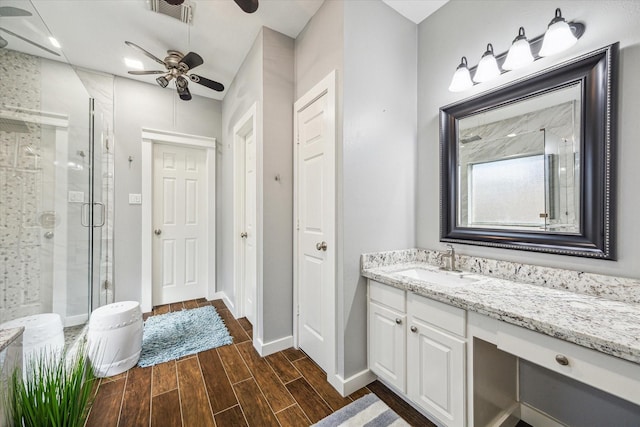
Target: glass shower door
pixel 49 220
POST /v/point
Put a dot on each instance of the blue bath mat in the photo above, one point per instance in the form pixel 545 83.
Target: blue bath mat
pixel 181 333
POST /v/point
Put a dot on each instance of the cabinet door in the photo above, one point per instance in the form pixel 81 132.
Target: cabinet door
pixel 435 364
pixel 387 340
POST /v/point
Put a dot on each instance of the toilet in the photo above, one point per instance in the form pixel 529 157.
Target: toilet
pixel 43 336
pixel 114 338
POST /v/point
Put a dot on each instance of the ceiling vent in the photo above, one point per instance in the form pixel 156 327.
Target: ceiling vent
pixel 182 12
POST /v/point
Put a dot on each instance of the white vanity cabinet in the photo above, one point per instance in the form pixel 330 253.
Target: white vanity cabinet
pixel 417 345
pixel 436 359
pixel 387 334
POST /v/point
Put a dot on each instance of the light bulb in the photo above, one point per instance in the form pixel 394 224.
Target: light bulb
pixel 487 67
pixel 461 78
pixel 558 37
pixel 519 53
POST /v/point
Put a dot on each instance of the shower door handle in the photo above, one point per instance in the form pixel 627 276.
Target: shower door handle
pixel 102 214
pixel 84 220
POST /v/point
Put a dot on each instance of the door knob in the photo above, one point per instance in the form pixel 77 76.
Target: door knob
pixel 157 232
pixel 243 234
pixel 321 246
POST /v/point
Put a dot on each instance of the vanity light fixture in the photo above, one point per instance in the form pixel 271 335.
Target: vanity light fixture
pixel 487 67
pixel 519 53
pixel 560 35
pixel 461 78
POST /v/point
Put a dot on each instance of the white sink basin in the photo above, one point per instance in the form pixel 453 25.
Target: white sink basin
pixel 444 278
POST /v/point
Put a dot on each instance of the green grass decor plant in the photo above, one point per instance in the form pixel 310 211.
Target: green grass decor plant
pixel 55 392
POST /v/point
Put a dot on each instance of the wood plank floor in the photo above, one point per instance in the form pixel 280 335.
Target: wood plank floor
pixel 228 386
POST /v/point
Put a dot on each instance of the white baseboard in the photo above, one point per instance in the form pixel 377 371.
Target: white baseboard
pixel 537 418
pixel 265 349
pixel 355 382
pixel 76 320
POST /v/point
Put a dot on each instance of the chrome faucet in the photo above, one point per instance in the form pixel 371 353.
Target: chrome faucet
pixel 451 254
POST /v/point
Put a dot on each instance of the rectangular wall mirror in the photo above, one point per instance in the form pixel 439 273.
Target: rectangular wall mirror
pixel 529 165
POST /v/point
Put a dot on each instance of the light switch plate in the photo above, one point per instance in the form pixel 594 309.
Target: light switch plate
pixel 76 197
pixel 135 199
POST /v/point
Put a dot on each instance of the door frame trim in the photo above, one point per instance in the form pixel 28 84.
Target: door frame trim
pixel 148 138
pixel 326 86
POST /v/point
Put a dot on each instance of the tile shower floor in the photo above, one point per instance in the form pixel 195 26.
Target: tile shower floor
pixel 228 386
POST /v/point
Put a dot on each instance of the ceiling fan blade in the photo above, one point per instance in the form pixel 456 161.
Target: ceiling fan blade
pixel 29 41
pixel 150 55
pixel 13 11
pixel 248 6
pixel 192 60
pixel 211 84
pixel 184 94
pixel 145 72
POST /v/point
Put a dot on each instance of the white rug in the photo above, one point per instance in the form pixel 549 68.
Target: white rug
pixel 368 411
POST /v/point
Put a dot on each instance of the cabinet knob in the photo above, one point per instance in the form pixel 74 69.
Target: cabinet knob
pixel 413 329
pixel 321 246
pixel 157 232
pixel 398 321
pixel 562 359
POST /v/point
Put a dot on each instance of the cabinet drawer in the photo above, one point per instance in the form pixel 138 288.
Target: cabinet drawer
pixel 447 317
pixel 616 376
pixel 387 295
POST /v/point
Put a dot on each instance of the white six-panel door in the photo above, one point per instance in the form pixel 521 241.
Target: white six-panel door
pixel 179 224
pixel 315 255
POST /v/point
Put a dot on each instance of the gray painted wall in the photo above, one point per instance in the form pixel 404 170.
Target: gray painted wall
pixel 376 144
pixel 378 154
pixel 140 105
pixel 460 28
pixel 243 92
pixel 277 196
pixel 266 77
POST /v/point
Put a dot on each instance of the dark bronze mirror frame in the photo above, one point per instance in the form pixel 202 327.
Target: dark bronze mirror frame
pixel 596 72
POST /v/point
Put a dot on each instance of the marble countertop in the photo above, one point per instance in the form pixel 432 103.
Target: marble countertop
pixel 7 336
pixel 609 326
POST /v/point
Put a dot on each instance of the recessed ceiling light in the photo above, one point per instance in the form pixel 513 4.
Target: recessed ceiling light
pixel 511 135
pixel 133 63
pixel 55 43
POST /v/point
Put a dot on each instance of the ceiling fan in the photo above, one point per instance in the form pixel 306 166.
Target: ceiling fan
pixel 177 67
pixel 8 11
pixel 248 6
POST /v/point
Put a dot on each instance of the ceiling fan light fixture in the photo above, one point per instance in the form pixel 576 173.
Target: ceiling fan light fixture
pixel 164 80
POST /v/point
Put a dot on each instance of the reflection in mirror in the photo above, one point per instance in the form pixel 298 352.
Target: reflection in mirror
pixel 519 165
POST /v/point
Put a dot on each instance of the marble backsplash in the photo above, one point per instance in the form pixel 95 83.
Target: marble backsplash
pixel 609 287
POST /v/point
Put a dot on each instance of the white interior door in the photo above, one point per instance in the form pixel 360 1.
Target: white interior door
pixel 249 258
pixel 315 253
pixel 179 221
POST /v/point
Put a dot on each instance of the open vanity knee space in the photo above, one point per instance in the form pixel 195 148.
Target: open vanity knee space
pixel 458 345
